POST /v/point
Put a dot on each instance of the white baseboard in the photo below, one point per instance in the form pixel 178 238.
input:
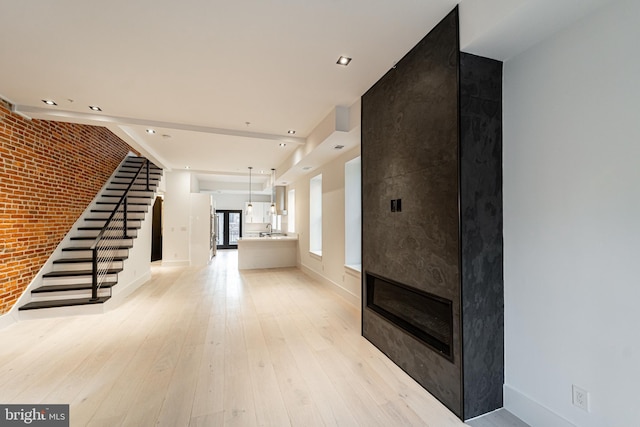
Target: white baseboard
pixel 50 313
pixel 123 292
pixel 119 296
pixel 348 296
pixel 176 263
pixel 530 411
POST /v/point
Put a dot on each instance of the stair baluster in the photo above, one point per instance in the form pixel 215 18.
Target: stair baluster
pixel 101 243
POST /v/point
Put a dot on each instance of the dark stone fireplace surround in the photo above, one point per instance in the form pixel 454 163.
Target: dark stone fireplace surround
pixel 427 317
pixel 432 141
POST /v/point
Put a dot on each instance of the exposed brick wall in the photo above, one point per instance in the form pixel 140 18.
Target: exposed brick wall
pixel 49 173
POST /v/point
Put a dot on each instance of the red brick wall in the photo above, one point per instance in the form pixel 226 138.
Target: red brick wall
pixel 49 173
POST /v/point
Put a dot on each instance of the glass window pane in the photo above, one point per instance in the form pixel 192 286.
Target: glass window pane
pixel 234 228
pixel 315 214
pixel 353 214
pixel 291 207
pixel 220 229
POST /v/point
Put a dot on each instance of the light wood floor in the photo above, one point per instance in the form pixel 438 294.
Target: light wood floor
pixel 210 347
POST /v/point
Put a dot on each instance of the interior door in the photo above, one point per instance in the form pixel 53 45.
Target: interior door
pixel 156 231
pixel 229 228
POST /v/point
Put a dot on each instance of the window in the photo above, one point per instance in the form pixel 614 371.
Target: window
pixel 352 215
pixel 276 222
pixel 315 215
pixel 291 211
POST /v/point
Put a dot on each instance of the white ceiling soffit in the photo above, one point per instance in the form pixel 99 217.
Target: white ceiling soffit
pixel 225 81
pixel 238 184
pixel 501 29
pixel 341 128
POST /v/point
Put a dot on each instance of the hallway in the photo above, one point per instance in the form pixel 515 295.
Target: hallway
pixel 212 346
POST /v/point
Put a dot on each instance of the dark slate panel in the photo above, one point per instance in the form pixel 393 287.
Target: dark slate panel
pixel 410 152
pixel 418 246
pixel 432 371
pixel 413 109
pixel 420 145
pixel 481 233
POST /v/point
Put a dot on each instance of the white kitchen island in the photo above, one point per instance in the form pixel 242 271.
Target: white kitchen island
pixel 267 252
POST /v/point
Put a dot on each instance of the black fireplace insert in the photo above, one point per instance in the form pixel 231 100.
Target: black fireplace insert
pixel 426 317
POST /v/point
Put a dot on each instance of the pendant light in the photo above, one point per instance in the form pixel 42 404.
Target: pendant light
pixel 249 206
pixel 273 190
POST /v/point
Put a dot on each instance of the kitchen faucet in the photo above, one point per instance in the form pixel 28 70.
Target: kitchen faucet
pixel 266 233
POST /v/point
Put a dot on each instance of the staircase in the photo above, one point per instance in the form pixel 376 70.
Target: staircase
pixel 71 279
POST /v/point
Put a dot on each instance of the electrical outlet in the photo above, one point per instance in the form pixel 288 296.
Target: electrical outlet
pixel 580 398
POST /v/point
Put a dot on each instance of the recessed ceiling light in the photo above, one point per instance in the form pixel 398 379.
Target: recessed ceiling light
pixel 49 102
pixel 95 108
pixel 291 132
pixel 187 167
pixel 282 144
pixel 343 60
pixel 151 131
pixel 306 168
pixel 338 147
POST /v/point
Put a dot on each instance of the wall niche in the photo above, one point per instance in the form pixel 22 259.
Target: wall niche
pixel 432 220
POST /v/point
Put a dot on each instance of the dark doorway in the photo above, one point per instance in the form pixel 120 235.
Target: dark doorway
pixel 229 229
pixel 156 230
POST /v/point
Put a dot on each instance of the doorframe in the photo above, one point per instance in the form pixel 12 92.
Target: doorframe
pixel 224 227
pixel 156 229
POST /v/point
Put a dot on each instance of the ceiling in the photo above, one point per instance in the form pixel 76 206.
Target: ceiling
pixel 222 82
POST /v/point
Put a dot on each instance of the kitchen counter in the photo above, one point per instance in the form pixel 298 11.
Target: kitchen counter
pixel 267 238
pixel 267 252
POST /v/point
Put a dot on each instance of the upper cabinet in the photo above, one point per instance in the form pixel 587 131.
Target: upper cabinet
pixel 260 213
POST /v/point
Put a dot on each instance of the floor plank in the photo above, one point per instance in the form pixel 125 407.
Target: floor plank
pixel 213 346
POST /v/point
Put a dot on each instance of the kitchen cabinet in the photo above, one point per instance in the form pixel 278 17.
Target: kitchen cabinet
pixel 267 252
pixel 260 213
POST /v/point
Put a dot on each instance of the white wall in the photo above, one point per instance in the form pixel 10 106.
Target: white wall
pixel 186 221
pixel 236 201
pixel 330 267
pixel 175 238
pixel 199 229
pixel 571 223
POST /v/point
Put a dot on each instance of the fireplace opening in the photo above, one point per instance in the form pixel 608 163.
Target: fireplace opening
pixel 425 316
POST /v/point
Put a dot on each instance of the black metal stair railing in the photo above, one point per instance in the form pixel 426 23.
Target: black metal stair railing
pixel 103 249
